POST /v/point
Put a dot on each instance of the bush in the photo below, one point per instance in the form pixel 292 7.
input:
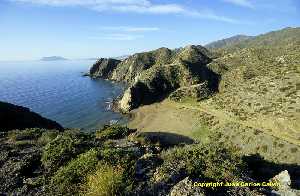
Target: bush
pixel 47 137
pixel 26 134
pixel 293 150
pixel 117 156
pixel 210 161
pixel 113 132
pixel 126 158
pixel 60 150
pixel 105 181
pixel 68 178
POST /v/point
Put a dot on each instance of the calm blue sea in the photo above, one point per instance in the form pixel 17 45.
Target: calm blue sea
pixel 58 91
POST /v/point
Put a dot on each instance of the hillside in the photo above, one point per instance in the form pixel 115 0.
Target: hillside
pixel 228 42
pixel 260 82
pixel 268 40
pixel 154 75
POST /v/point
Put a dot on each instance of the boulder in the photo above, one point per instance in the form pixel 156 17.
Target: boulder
pixel 284 189
pixel 185 188
pixel 283 178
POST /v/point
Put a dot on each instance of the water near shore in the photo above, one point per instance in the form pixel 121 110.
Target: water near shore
pixel 58 91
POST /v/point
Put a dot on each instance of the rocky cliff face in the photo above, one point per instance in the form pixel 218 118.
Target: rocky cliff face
pixel 18 117
pixel 154 75
pixel 103 68
pixel 134 65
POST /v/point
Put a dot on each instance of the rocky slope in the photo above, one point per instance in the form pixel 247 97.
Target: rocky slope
pixel 18 117
pixel 154 75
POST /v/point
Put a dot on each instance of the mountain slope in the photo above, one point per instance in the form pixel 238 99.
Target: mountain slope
pixel 154 75
pixel 281 38
pixel 260 82
pixel 227 42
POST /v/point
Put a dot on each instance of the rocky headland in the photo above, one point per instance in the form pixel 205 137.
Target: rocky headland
pixel 157 74
pixel 18 117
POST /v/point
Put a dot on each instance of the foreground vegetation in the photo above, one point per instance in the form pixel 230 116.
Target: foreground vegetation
pixel 117 161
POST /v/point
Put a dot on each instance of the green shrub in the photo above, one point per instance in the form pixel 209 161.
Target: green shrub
pixel 47 137
pixel 26 134
pixel 105 181
pixel 293 150
pixel 264 148
pixel 126 158
pixel 68 178
pixel 210 161
pixel 113 132
pixel 60 150
pixel 281 145
pixel 117 156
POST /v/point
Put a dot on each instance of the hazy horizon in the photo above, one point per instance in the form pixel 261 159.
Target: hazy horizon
pixel 78 29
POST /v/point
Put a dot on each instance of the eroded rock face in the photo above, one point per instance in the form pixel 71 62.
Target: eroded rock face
pixel 103 68
pixel 126 102
pixel 187 71
pixel 18 117
pixel 153 75
pixel 134 65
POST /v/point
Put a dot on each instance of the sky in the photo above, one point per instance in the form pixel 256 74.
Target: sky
pixel 31 29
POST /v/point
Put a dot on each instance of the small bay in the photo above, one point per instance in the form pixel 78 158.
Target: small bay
pixel 58 91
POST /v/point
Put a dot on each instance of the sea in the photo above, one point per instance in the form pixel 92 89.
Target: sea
pixel 57 90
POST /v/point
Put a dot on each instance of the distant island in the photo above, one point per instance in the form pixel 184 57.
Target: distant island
pixel 53 58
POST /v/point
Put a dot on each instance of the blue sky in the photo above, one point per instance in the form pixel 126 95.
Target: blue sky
pixel 31 29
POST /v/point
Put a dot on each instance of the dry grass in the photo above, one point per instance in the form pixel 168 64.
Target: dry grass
pixel 105 181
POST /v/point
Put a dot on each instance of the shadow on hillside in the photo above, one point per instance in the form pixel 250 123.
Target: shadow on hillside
pixel 205 74
pixel 160 87
pixel 165 139
pixel 263 170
